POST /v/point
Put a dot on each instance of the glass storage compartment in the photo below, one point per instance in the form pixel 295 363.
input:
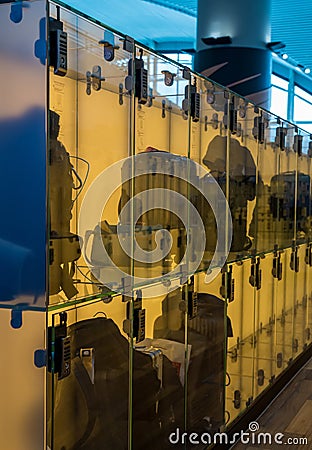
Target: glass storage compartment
pixel 160 331
pixel 201 346
pixel 94 110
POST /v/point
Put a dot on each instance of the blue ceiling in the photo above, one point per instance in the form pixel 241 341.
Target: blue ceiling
pixel 187 6
pixel 170 24
pixel 152 24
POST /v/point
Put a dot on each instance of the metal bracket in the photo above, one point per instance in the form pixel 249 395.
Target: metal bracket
pixel 242 109
pixel 298 144
pixel 186 73
pixel 295 345
pixel 231 121
pixel 215 121
pixel 211 96
pixel 277 269
pixel 294 259
pixel 253 341
pixel 128 44
pixel 108 42
pixel 308 255
pixel 279 360
pixel 280 137
pixel 228 285
pixel 249 401
pixel 260 377
pixel 138 319
pixel 126 288
pixel 191 102
pixel 94 79
pixel 17 315
pixel 256 274
pixel 16 14
pixel 168 77
pixel 40 358
pixel 140 76
pixel 120 93
pixel 272 379
pixel 258 129
pixel 234 354
pixel 40 46
pixel 283 317
pixel 308 334
pixel 150 97
pixel 59 354
pixel 163 109
pixel 192 299
pixel 237 399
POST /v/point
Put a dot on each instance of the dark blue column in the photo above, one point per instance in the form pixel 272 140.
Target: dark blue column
pixel 237 57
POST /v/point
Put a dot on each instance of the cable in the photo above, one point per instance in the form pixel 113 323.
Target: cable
pixel 82 183
pixel 229 379
pixel 85 276
pixel 78 178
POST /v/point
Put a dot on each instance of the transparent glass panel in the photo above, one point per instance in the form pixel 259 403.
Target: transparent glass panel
pixel 93 404
pixel 282 330
pixel 162 224
pixel 207 331
pixel 263 225
pixel 161 170
pixel 89 382
pixel 209 149
pixel 289 164
pixel 241 348
pixel 87 172
pixel 165 345
pixel 307 146
pixel 243 160
pixel 303 230
pixel 264 345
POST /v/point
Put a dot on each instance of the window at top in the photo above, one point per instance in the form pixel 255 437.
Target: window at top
pixel 303 94
pixel 279 82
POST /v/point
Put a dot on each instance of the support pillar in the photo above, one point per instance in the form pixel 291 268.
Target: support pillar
pixel 237 56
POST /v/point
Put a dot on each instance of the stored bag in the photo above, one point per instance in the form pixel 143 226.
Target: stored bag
pixel 91 409
pixel 207 337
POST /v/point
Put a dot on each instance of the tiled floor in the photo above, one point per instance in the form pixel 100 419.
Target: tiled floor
pixel 289 414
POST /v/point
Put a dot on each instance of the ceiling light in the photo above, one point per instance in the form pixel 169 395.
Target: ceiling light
pixel 284 56
pixel 307 70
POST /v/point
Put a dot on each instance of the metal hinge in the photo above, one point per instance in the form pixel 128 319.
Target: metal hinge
pixel 228 285
pixel 255 275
